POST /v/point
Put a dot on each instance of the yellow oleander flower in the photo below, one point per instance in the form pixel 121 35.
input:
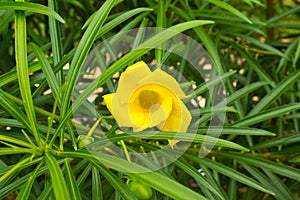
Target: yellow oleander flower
pixel 146 99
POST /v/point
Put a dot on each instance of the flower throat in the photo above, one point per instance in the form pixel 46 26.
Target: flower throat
pixel 148 98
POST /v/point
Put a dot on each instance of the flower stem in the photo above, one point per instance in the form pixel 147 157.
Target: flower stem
pixel 90 133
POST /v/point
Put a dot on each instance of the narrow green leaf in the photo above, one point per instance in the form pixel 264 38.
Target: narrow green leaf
pixel 297 54
pixel 82 50
pixel 44 195
pixel 12 75
pixel 279 185
pixel 275 167
pixel 15 141
pixel 26 189
pixel 72 184
pixel 283 140
pixel 232 189
pixel 255 2
pixel 160 23
pixel 77 62
pixel 267 182
pixel 231 9
pixel 295 159
pixel 262 45
pixel 120 19
pixel 11 151
pixel 275 93
pixel 135 22
pixel 6 19
pixel 97 193
pixel 206 40
pixel 244 91
pixel 288 54
pixel 187 137
pixel 283 14
pixel 214 81
pixel 55 36
pixel 25 165
pixel 15 168
pixel 236 131
pixel 169 188
pixel 77 4
pixel 168 33
pixel 13 110
pixel 227 171
pixel 47 70
pixel 84 175
pixel 268 114
pixel 20 102
pixel 22 71
pixel 58 67
pixel 5 191
pixel 263 75
pixel 30 7
pixel 212 110
pixel 58 181
pixel 203 183
pixel 115 181
pixel 237 27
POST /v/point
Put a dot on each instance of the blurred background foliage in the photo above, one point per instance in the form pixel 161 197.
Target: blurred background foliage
pixel 259 40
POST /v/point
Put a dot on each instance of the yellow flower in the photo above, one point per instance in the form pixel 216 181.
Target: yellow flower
pixel 146 99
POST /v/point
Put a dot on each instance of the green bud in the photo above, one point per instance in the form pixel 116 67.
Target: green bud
pixel 141 191
pixel 84 140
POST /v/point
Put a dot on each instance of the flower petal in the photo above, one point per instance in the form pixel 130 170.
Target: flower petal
pixel 160 113
pixel 139 117
pixel 108 101
pixel 179 119
pixel 141 66
pixel 118 111
pixel 121 113
pixel 128 80
pixel 156 115
pixel 119 103
pixel 164 79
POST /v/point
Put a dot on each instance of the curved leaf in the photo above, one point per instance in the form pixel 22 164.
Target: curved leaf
pixel 58 181
pixel 268 114
pixel 26 189
pixel 275 93
pixel 73 187
pixel 153 179
pixel 30 7
pixel 232 173
pixel 275 167
pixel 231 9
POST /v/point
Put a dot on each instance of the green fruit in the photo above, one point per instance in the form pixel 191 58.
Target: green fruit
pixel 140 190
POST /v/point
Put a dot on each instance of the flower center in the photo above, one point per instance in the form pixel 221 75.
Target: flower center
pixel 148 98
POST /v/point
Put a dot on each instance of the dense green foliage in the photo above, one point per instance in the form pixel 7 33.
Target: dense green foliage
pixel 255 47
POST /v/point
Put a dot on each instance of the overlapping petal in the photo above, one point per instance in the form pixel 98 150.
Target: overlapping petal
pixel 128 81
pixel 108 101
pixel 179 119
pixel 156 114
pixel 162 78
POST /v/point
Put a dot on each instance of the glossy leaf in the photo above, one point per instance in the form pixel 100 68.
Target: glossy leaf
pixel 30 7
pixel 58 181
